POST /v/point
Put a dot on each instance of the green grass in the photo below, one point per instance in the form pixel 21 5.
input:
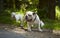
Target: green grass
pixel 52 24
pixel 5 19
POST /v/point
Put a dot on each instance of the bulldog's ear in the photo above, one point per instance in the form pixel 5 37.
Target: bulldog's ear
pixel 34 13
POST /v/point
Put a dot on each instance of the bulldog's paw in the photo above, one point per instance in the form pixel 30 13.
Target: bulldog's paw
pixel 40 30
pixel 29 30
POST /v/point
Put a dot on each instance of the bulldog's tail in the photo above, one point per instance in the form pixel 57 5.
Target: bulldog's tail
pixel 42 23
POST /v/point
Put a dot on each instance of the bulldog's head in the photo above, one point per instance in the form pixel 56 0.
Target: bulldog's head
pixel 30 16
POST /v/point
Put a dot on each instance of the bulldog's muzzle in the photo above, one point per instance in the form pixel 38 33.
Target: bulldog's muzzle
pixel 29 20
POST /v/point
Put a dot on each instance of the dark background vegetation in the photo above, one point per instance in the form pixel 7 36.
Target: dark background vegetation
pixel 48 11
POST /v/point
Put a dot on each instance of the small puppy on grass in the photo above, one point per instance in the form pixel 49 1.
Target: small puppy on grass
pixel 33 19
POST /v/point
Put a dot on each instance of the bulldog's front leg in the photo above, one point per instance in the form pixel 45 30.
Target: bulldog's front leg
pixel 21 25
pixel 29 27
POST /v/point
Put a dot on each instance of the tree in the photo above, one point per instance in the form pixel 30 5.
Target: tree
pixel 50 4
pixel 51 7
pixel 1 7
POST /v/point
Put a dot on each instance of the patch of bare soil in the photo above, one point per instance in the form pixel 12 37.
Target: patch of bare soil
pixel 26 34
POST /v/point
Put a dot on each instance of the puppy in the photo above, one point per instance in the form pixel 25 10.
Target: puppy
pixel 17 17
pixel 33 19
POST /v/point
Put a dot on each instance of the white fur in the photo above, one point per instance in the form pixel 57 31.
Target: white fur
pixel 42 23
pixel 17 17
pixel 36 21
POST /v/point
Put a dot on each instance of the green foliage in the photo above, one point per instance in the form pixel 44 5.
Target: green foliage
pixel 6 17
pixel 57 12
pixel 43 12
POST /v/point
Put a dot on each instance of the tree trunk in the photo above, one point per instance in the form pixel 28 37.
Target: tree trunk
pixel 1 5
pixel 51 9
pixel 42 3
pixel 14 5
pixel 50 5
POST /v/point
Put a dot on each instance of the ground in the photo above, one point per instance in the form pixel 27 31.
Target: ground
pixel 9 31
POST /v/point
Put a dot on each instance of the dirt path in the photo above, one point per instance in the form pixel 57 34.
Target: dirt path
pixel 8 31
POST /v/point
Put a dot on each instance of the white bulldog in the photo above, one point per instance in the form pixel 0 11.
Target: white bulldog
pixel 17 17
pixel 33 19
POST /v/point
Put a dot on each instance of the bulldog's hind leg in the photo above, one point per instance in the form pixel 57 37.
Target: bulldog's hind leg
pixel 39 27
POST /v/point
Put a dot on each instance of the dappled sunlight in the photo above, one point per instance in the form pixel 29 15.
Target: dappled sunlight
pixel 57 12
pixel 12 28
pixel 19 30
pixel 11 31
pixel 47 10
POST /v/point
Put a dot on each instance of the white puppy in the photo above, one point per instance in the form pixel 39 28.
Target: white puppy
pixel 17 17
pixel 33 19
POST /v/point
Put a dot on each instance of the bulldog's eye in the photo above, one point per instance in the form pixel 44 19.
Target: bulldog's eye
pixel 33 13
pixel 29 15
